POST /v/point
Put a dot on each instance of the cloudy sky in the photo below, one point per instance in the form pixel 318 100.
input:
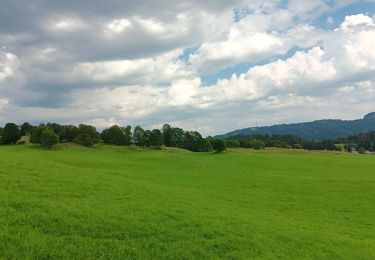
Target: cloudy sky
pixel 212 66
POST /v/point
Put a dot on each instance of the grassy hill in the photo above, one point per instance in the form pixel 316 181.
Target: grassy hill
pixel 108 202
pixel 317 130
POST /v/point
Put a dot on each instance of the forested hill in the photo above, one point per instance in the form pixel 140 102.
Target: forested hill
pixel 316 130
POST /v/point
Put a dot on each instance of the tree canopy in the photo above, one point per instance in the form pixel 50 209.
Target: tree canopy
pixel 44 136
pixel 10 134
pixel 87 135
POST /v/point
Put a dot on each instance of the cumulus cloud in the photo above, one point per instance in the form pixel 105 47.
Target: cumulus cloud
pixel 144 62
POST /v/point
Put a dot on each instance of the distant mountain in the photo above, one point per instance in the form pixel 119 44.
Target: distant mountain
pixel 316 130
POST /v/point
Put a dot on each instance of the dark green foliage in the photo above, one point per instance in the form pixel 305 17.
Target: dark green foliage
pixel 10 134
pixel 156 138
pixel 49 138
pixel 68 133
pixel 87 135
pixel 194 141
pixel 128 134
pixel 257 144
pixel 217 144
pixel 36 134
pixel 317 130
pixel 167 135
pixel 26 129
pixel 114 135
pixel 362 151
pixel 177 137
pixel 56 128
pixel 282 141
pixel 349 148
pixel 44 136
pixel 139 136
pixel 359 141
pixel 232 143
pixel 147 137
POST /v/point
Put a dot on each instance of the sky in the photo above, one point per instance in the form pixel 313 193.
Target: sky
pixel 211 66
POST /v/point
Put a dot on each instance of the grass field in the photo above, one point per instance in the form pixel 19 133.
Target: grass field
pixel 107 202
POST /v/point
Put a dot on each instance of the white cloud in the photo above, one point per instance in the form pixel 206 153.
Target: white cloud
pixel 307 79
pixel 352 22
pixel 122 65
pixel 119 25
pixel 255 38
pixel 9 63
pixel 162 68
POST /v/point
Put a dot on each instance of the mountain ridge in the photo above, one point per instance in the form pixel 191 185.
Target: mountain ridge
pixel 317 130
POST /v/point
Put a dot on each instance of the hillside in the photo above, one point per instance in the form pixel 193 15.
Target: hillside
pixel 316 130
pixel 110 203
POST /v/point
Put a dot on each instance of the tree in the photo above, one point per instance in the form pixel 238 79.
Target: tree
pixel 218 145
pixel 232 143
pixel 128 134
pixel 257 144
pixel 204 145
pixel 87 135
pixel 156 138
pixel 114 135
pixel 10 134
pixel 68 133
pixel 167 135
pixel 26 129
pixel 178 138
pixel 147 136
pixel 56 128
pixel 36 134
pixel 44 136
pixel 194 141
pixel 139 136
pixel 48 138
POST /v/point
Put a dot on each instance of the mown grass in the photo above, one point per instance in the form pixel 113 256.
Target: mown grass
pixel 107 202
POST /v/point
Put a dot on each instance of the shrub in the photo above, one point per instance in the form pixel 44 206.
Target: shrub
pixel 362 151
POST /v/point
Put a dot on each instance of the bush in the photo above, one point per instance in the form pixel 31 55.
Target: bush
pixel 297 146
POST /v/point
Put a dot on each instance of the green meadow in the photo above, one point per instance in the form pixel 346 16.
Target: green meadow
pixel 121 203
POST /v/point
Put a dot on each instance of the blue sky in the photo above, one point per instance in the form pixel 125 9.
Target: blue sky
pixel 338 16
pixel 213 66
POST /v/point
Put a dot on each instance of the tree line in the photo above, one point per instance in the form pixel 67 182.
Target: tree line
pixel 50 134
pixel 360 142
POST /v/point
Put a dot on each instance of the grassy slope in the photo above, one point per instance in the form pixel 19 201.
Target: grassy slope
pixel 113 203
